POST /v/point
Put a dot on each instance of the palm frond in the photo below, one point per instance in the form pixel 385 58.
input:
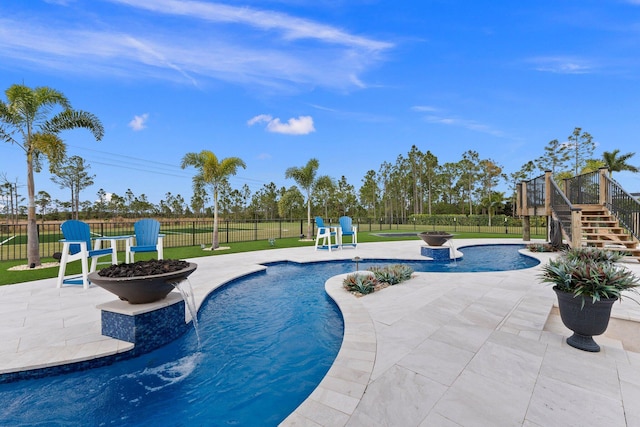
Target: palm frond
pixel 72 119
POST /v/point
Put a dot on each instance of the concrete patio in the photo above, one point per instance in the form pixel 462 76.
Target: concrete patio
pixel 443 349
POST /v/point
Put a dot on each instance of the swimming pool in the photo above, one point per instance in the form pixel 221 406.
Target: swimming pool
pixel 268 339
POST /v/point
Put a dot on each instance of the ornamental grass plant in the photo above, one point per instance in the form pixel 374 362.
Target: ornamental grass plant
pixel 377 278
pixel 362 284
pixel 590 273
pixel 392 274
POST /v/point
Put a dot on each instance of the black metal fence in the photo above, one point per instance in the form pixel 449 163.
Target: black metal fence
pixel 584 189
pixel 624 206
pixel 536 190
pixel 561 207
pixel 180 233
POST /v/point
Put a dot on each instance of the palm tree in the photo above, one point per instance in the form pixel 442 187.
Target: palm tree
pixel 305 177
pixel 212 172
pixel 492 202
pixel 618 163
pixel 26 121
pixel 43 201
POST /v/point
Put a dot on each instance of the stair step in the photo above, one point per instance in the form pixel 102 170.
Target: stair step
pixel 605 232
pixel 608 239
pixel 609 230
pixel 608 234
pixel 583 219
pixel 630 252
pixel 617 248
pixel 607 244
pixel 599 228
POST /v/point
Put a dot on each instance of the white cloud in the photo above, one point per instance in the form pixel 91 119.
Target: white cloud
pixel 466 124
pixel 139 122
pixel 562 65
pixel 303 125
pixel 354 115
pixel 424 108
pixel 291 27
pixel 106 198
pixel 259 118
pixel 293 52
pixel 455 121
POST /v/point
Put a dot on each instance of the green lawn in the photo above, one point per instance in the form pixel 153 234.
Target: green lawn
pixel 9 277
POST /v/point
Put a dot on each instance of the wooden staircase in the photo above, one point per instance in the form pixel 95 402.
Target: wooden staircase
pixel 601 229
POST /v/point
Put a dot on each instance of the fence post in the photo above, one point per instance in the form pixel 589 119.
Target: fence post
pixel 576 228
pixel 526 228
pixel 602 197
pixel 547 193
pixel 521 198
pixel 193 233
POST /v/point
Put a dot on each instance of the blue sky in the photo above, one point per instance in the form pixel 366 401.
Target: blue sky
pixel 353 83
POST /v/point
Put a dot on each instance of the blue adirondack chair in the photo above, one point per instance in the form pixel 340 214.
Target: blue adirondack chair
pixel 325 233
pixel 147 239
pixel 76 245
pixel 347 229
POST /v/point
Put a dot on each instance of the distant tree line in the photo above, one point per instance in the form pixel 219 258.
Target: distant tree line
pixel 416 184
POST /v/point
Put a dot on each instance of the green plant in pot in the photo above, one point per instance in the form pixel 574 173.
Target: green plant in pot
pixel 587 282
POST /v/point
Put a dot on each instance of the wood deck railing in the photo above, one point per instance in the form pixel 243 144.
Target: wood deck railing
pixel 543 196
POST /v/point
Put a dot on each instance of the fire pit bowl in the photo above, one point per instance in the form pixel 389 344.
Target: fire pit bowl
pixel 143 289
pixel 435 238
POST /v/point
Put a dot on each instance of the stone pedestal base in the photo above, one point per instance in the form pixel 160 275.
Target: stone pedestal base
pixel 436 253
pixel 148 326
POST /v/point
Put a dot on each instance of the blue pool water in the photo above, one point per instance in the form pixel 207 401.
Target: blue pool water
pixel 267 341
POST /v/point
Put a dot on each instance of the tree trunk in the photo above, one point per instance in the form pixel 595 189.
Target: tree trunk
pixel 76 200
pixel 308 216
pixel 215 243
pixel 73 204
pixel 33 248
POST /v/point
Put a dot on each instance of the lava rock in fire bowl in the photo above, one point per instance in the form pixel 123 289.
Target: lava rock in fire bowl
pixel 143 281
pixel 144 268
